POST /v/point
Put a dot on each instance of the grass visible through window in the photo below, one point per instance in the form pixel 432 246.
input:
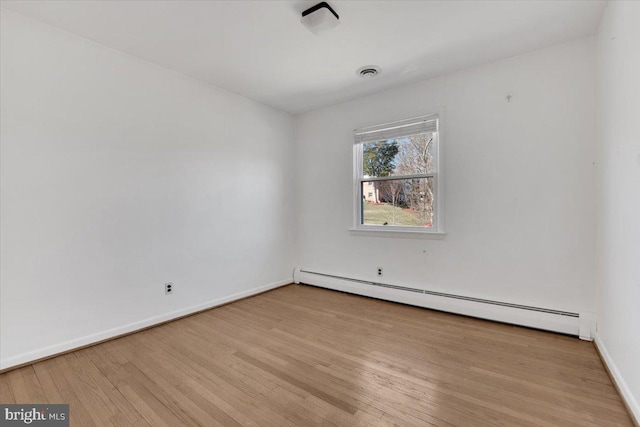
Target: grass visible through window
pixel 381 213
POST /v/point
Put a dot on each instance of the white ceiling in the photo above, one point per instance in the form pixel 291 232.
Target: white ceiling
pixel 260 50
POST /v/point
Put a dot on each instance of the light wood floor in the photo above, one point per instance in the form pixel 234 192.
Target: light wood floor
pixel 299 356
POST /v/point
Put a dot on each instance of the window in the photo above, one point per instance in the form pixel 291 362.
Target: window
pixel 396 176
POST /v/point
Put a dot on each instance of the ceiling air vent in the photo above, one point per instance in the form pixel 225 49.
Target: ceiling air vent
pixel 368 71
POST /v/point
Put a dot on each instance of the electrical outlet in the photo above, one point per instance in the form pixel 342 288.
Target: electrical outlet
pixel 379 271
pixel 168 288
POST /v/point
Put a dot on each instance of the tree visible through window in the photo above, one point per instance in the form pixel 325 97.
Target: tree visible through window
pixel 397 174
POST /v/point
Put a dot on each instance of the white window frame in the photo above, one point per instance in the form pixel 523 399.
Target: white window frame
pixel 438 221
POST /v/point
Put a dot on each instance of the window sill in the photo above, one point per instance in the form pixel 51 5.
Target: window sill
pixel 415 234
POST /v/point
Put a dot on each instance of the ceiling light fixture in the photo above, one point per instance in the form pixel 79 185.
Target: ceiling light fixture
pixel 320 17
pixel 368 71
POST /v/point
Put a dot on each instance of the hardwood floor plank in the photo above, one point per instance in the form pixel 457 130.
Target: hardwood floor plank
pixel 233 389
pixel 6 393
pixel 298 383
pixel 25 385
pixel 61 389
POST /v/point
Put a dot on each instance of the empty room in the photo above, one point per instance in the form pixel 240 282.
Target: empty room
pixel 299 213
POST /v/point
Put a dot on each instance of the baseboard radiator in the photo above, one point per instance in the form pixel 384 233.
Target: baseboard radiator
pixel 524 315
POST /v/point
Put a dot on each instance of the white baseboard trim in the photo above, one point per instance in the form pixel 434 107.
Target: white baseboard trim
pixel 629 400
pixel 46 352
pixel 517 316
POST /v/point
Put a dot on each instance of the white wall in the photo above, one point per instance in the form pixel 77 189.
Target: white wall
pixel 619 207
pixel 519 181
pixel 119 176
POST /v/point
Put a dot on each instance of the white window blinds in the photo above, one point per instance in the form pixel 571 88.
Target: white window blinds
pixel 424 124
